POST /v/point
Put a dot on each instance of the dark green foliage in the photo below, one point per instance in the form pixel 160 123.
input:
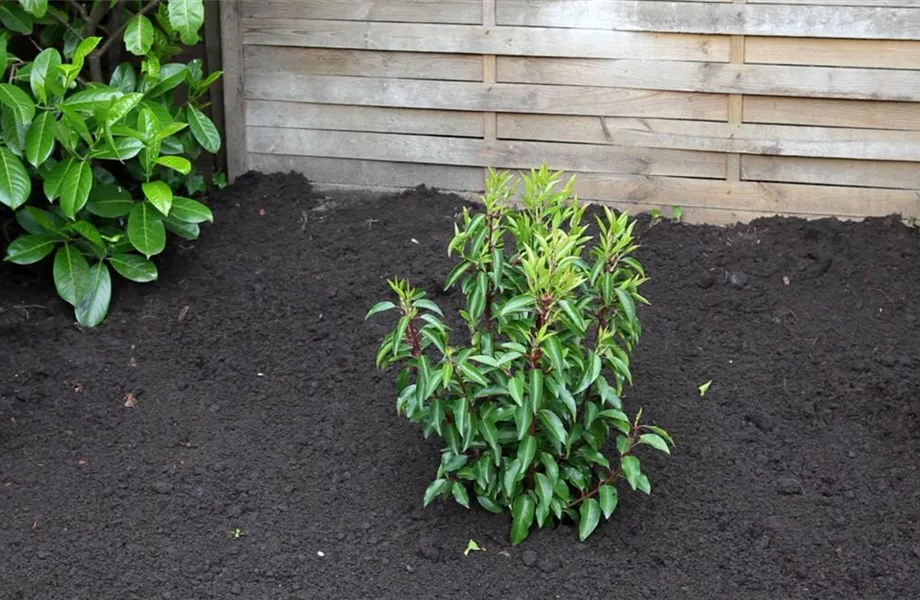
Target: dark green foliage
pixel 526 408
pixel 94 152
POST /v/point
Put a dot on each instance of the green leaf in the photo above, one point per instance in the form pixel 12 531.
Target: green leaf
pixel 607 498
pixel 109 200
pixel 567 399
pixel 522 513
pixel 18 101
pixel 473 374
pixel 626 302
pixel 75 187
pixel 490 433
pixel 37 221
pixel 512 476
pixel 705 388
pixel 554 350
pixel 553 425
pixel 121 107
pixel 95 304
pixel 15 19
pixel 655 441
pixel 204 130
pixel 44 66
pixel 14 132
pixel 379 307
pixel 545 494
pixel 159 194
pixel 134 267
pixel 592 372
pixel 208 81
pixel 643 484
pixel 516 389
pixel 523 418
pixel 92 99
pixel 526 451
pixel 435 489
pixel 40 138
pixel 138 35
pixel 460 494
pixel 573 315
pixel 176 163
pixel 71 274
pixel 170 130
pixel 631 469
pixel 186 17
pixel 89 232
pixel 146 230
pixel 83 49
pixel 428 305
pixel 660 432
pixel 29 249
pixel 589 517
pixel 124 78
pixel 15 183
pixel 4 55
pixel 121 149
pixel 536 389
pixel 171 76
pixel 518 304
pixel 36 8
pixel 489 504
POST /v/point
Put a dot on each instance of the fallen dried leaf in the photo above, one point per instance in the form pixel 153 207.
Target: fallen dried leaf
pixel 78 387
pixel 130 400
pixel 785 280
pixel 183 312
pixel 261 212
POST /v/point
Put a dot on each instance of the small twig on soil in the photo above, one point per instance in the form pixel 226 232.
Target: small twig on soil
pixel 23 307
pixel 887 297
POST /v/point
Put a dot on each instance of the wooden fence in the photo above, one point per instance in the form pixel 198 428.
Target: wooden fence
pixel 731 110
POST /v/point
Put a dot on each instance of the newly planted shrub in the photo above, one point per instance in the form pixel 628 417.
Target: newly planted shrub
pixel 94 151
pixel 526 407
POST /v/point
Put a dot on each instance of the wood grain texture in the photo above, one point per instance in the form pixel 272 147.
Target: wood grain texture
pixel 857 22
pixel 403 11
pixel 833 113
pixel 827 171
pixel 819 82
pixel 470 39
pixel 743 138
pixel 874 54
pixel 234 88
pixel 448 95
pixel 501 154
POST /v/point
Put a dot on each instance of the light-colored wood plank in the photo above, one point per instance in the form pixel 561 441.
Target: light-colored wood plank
pixel 448 95
pixel 858 3
pixel 766 198
pixel 483 153
pixel 780 140
pixel 368 173
pixel 472 39
pixel 876 54
pixel 301 115
pixel 828 171
pixel 706 18
pixel 363 63
pixel 402 11
pixel 234 88
pixel 212 43
pixel 826 82
pixel 832 113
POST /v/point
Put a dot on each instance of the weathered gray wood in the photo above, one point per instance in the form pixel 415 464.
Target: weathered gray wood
pixel 876 54
pixel 233 84
pixel 818 82
pixel 709 18
pixel 403 11
pixel 827 171
pixel 449 95
pixel 483 153
pixel 833 113
pixel 470 39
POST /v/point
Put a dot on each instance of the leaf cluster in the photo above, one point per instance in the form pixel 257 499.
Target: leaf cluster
pixel 92 159
pixel 527 406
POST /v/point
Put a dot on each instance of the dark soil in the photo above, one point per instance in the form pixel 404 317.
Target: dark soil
pixel 258 408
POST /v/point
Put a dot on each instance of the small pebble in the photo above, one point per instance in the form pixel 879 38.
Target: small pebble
pixel 788 486
pixel 529 557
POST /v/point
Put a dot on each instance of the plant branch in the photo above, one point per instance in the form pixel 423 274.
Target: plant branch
pixel 65 23
pixel 94 59
pixel 611 474
pixel 79 8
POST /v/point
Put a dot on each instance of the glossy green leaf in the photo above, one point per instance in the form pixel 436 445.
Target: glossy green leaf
pixel 14 132
pixel 516 389
pixel 204 130
pixel 435 489
pixel 138 36
pixel 527 451
pixel 120 148
pixel 428 305
pixel 134 267
pixel 45 66
pixel 17 101
pixel 170 130
pixel 512 476
pixel 124 78
pixel 159 194
pixel 40 138
pixel 536 389
pixel 186 17
pixel 660 432
pixel 29 249
pixel 518 304
pixel 522 513
pixel 379 307
pixel 460 494
pixel 490 433
pixel 554 351
pixel 171 76
pixel 122 107
pixel 544 491
pixel 643 484
pixel 567 399
pixel 109 200
pixel 592 372
pixel 37 8
pixel 607 498
pixel 146 230
pixel 89 233
pixel 176 163
pixel 91 100
pixel 589 516
pixel 71 274
pixel 473 374
pixel 631 470
pixel 489 504
pixel 553 425
pixel 95 303
pixel 15 183
pixel 37 221
pixel 75 187
pixel 655 441
pixel 523 418
pixel 15 19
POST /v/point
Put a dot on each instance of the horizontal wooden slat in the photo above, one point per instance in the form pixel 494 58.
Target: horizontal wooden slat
pixel 363 63
pixel 743 19
pixel 832 113
pixel 420 11
pixel 896 175
pixel 715 137
pixel 371 173
pixel 302 115
pixel 448 95
pixel 767 198
pixel 880 54
pixel 470 39
pixel 773 80
pixel 483 153
pixel 859 3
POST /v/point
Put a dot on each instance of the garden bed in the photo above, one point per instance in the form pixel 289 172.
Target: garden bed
pixel 253 407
